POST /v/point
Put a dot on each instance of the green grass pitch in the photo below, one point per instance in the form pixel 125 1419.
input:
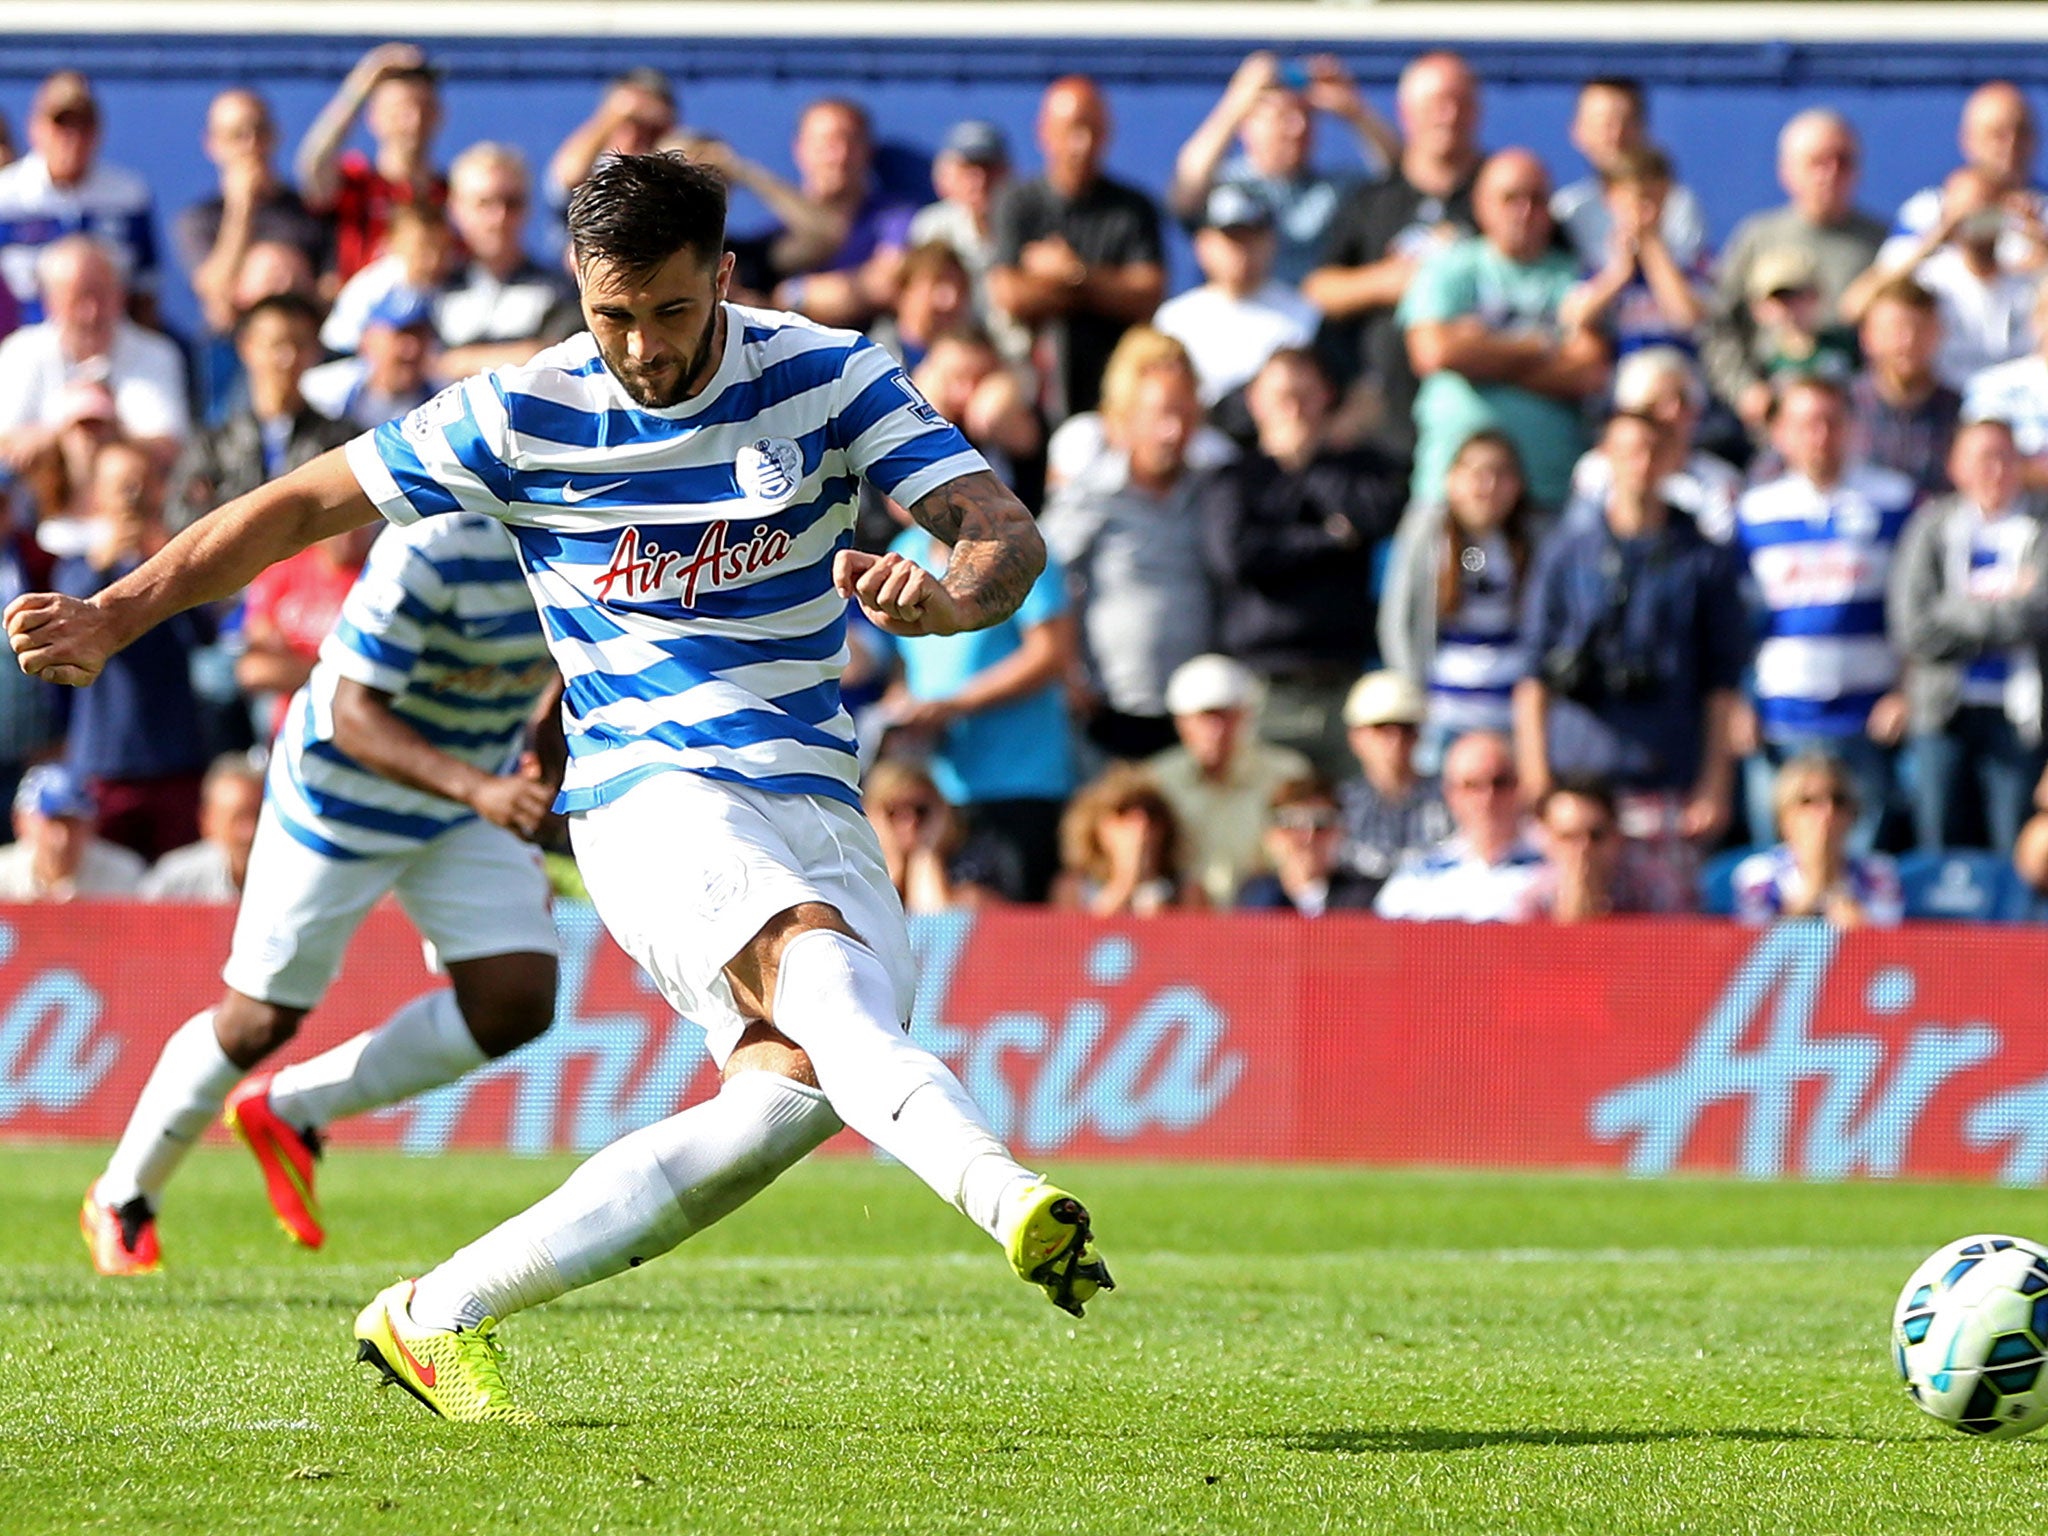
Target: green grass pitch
pixel 1291 1350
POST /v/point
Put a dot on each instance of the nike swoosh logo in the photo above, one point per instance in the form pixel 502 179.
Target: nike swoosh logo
pixel 420 1368
pixel 572 494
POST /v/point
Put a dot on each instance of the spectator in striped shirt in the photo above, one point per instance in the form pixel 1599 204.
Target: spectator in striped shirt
pixel 1450 617
pixel 1817 545
pixel 1812 873
pixel 1968 610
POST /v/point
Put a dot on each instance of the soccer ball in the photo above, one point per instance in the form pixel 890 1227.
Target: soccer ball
pixel 1969 1335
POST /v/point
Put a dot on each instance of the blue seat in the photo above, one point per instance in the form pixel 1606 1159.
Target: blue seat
pixel 1717 882
pixel 1962 885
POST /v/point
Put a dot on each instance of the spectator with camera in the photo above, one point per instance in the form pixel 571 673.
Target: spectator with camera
pixel 1967 609
pixel 1817 546
pixel 1637 643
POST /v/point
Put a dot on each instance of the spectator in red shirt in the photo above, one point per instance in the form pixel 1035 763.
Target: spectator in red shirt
pixel 287 612
pixel 403 113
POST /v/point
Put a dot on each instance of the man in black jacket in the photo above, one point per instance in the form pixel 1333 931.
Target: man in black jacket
pixel 1290 532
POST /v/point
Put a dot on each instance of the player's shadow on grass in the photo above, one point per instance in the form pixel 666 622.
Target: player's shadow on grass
pixel 1431 1438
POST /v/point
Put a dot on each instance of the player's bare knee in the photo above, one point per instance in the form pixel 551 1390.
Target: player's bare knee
pixel 764 1048
pixel 752 972
pixel 249 1030
pixel 506 1000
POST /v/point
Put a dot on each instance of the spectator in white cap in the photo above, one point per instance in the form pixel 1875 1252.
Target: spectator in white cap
pixel 1221 779
pixel 1488 871
pixel 56 855
pixel 1240 316
pixel 1393 809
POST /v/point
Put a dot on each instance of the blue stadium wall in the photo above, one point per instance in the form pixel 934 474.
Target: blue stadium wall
pixel 1718 107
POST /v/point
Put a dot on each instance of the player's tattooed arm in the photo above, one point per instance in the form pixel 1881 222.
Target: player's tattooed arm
pixel 997 552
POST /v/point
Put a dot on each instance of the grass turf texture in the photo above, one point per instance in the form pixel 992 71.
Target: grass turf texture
pixel 1292 1349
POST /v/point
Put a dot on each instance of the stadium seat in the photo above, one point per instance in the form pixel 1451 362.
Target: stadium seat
pixel 1962 885
pixel 1717 882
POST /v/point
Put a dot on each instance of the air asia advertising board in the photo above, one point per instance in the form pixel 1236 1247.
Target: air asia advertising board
pixel 1644 1045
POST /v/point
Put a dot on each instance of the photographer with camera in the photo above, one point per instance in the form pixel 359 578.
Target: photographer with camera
pixel 1637 642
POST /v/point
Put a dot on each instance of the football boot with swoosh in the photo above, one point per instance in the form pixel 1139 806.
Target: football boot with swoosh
pixel 455 1372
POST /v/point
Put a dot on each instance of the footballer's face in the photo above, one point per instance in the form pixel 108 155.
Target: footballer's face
pixel 659 330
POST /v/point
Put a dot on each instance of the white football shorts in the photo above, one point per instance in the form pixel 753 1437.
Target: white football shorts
pixel 684 870
pixel 474 891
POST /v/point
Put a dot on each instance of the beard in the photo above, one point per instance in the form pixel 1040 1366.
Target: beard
pixel 660 389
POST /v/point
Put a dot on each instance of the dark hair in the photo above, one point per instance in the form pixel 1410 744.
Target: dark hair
pixel 1624 85
pixel 636 211
pixel 1309 789
pixel 1518 527
pixel 1580 786
pixel 293 306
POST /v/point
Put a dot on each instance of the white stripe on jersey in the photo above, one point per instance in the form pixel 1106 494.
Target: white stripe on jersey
pixel 681 557
pixel 441 621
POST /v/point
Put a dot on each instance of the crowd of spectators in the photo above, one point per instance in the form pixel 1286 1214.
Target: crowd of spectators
pixel 1473 540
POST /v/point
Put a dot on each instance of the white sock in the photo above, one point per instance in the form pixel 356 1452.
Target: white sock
pixel 185 1092
pixel 834 998
pixel 422 1046
pixel 632 1202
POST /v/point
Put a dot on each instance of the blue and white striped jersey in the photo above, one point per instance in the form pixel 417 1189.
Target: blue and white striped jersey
pixel 441 621
pixel 1819 561
pixel 681 557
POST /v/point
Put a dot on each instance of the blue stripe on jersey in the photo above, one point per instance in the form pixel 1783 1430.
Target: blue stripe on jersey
pixel 1834 621
pixel 813 706
pixel 538 417
pixel 703 655
pixel 307 837
pixel 441 623
pixel 429 498
pixel 1782 716
pixel 1763 532
pixel 705 511
pixel 584 797
pixel 375 647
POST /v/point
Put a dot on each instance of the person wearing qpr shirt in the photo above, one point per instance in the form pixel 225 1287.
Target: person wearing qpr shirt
pixel 392 774
pixel 680 483
pixel 1817 543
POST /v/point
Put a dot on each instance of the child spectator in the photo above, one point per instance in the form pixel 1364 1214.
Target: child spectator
pixel 1609 124
pixel 1640 292
pixel 1795 333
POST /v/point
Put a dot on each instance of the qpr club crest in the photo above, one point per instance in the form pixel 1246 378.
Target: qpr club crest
pixel 770 469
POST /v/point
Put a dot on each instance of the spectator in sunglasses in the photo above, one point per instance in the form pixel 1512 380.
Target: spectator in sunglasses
pixel 1302 840
pixel 1488 870
pixel 1811 873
